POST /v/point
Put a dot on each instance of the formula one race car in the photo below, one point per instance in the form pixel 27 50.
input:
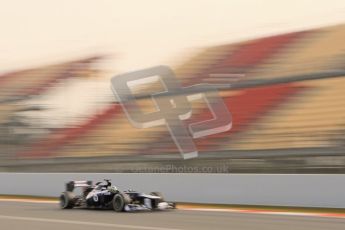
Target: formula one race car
pixel 105 196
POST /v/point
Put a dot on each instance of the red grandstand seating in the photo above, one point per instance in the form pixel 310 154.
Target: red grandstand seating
pixel 46 147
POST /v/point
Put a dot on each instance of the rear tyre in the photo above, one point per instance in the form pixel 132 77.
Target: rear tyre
pixel 67 200
pixel 119 202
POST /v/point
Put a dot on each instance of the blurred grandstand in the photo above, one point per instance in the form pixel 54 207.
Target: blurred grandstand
pixel 288 114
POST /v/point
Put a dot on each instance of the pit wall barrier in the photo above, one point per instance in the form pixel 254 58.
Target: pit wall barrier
pixel 302 190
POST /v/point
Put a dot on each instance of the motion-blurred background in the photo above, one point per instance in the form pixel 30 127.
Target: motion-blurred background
pixel 57 112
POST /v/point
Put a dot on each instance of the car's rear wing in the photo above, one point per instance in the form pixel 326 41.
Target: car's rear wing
pixel 73 184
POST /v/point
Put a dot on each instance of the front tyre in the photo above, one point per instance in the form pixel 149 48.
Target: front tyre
pixel 158 194
pixel 67 200
pixel 155 202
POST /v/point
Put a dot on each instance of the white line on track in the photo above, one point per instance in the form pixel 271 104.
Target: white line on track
pixel 57 221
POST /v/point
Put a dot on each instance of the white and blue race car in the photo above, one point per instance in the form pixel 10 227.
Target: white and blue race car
pixel 106 196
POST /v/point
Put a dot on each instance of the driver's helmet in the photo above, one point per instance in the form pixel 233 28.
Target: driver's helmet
pixel 113 189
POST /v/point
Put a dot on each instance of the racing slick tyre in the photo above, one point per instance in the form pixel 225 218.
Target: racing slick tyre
pixel 158 194
pixel 157 201
pixel 67 200
pixel 119 202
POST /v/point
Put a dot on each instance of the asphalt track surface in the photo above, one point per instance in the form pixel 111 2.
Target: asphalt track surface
pixel 37 216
